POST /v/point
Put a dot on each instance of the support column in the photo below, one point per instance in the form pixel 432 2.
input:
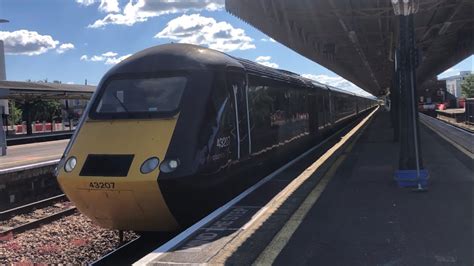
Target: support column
pixel 68 115
pixel 411 171
pixel 395 106
pixel 27 109
pixel 3 103
pixel 3 137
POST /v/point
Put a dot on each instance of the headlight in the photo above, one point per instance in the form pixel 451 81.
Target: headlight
pixel 169 165
pixel 149 165
pixel 70 164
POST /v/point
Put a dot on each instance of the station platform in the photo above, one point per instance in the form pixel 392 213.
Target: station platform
pixel 353 213
pixel 364 218
pixel 26 172
pixel 33 153
pixel 456 117
pixel 38 137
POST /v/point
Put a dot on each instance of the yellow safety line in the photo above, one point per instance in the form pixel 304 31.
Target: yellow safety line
pixel 269 254
pixel 29 161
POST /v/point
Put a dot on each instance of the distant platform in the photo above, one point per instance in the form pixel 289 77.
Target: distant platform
pixel 452 111
pixel 462 137
pixel 38 137
pixel 33 153
pixel 455 117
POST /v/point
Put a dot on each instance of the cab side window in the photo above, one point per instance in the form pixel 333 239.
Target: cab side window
pixel 221 117
pixel 236 85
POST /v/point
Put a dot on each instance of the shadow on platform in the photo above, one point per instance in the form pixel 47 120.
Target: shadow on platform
pixel 364 218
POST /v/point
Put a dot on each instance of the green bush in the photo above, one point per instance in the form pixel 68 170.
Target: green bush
pixel 15 114
pixel 467 87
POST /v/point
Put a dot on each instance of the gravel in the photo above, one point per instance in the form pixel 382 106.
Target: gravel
pixel 36 214
pixel 73 240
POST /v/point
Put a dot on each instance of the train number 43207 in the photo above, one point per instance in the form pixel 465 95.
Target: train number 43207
pixel 102 185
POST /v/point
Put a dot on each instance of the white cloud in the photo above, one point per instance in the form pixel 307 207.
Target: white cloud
pixel 65 47
pixel 141 10
pixel 115 60
pixel 107 6
pixel 269 64
pixel 267 40
pixel 97 58
pixel 109 58
pixel 449 72
pixel 265 60
pixel 338 82
pixel 25 42
pixel 196 29
pixel 109 54
pixel 86 2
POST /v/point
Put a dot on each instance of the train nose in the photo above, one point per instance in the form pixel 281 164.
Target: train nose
pixel 114 181
pixel 111 208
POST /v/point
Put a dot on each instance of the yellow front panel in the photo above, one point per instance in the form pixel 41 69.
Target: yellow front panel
pixel 135 201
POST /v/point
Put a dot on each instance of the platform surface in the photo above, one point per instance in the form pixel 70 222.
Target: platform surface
pixel 363 218
pixel 20 155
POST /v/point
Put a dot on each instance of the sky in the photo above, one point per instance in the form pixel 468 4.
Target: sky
pixel 75 40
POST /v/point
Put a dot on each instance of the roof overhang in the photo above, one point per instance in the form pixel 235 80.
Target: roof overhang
pixel 357 39
pixel 18 90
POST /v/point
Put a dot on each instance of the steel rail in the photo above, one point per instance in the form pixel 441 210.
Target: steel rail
pixel 30 207
pixel 34 223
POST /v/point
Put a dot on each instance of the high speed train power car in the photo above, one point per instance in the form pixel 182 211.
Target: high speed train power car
pixel 176 130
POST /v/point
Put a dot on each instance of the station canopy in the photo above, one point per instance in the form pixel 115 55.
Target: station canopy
pixel 357 38
pixel 18 90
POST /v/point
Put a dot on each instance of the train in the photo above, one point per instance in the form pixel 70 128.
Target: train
pixel 176 130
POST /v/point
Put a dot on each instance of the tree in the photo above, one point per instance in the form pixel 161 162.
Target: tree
pixel 15 114
pixel 467 86
pixel 45 110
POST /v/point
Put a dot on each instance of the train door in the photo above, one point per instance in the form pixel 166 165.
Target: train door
pixel 313 114
pixel 331 108
pixel 237 86
pixel 326 108
pixel 358 104
pixel 321 113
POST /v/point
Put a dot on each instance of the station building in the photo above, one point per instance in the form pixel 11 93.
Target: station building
pixel 453 83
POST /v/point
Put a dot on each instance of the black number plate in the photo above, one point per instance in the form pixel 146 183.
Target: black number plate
pixel 102 185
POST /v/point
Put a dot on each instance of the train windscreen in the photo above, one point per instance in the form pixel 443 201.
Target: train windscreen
pixel 139 97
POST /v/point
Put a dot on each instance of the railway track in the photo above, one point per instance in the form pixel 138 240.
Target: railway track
pixel 22 219
pixel 135 249
pixel 31 206
pixel 446 121
pixel 29 216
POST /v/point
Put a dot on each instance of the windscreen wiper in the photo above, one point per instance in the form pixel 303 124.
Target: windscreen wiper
pixel 121 103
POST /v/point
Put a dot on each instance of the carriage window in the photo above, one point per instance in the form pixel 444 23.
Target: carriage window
pixel 153 95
